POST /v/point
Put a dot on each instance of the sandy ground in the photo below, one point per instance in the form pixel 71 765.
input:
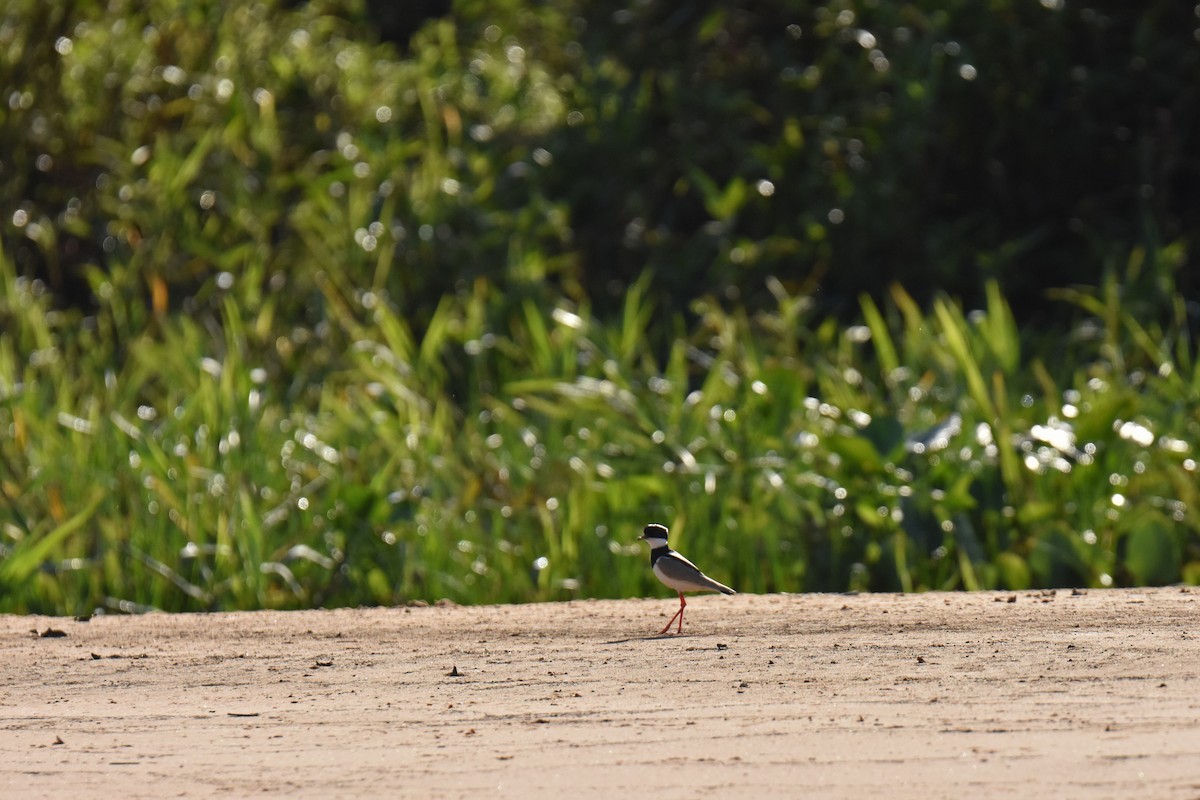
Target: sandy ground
pixel 939 695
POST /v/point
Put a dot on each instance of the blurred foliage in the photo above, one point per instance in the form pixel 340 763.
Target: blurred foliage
pixel 836 146
pixel 912 450
pixel 841 146
pixel 295 317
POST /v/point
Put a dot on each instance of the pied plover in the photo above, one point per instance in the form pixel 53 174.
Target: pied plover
pixel 676 571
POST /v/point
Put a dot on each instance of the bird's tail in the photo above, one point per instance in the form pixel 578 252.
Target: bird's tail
pixel 714 586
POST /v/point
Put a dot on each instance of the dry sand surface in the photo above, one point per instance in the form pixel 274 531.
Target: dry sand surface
pixel 984 695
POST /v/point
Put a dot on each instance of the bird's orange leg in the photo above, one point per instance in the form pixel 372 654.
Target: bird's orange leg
pixel 678 615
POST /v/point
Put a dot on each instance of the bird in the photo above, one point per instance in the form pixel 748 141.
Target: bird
pixel 677 572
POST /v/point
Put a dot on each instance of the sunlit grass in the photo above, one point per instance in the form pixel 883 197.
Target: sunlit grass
pixel 341 352
pixel 512 453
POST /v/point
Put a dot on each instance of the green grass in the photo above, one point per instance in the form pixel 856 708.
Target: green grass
pixel 338 346
pixel 513 452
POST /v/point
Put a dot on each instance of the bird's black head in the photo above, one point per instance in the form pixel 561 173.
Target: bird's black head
pixel 655 531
